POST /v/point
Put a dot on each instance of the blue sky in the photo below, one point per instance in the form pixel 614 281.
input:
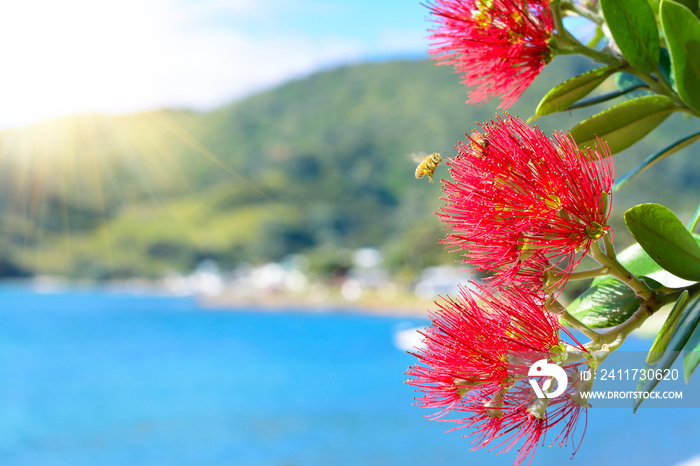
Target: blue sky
pixel 121 56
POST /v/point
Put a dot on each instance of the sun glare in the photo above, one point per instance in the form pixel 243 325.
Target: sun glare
pixel 75 56
pixel 63 177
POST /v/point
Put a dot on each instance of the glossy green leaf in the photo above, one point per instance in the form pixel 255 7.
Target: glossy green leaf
pixel 606 304
pixel 633 26
pixel 664 237
pixel 693 222
pixel 654 158
pixel 570 91
pixel 667 330
pixel 624 124
pixel 691 356
pixel 654 4
pixel 636 260
pixel 626 81
pixel 634 89
pixel 692 5
pixel 682 30
pixel 665 66
pixel 686 327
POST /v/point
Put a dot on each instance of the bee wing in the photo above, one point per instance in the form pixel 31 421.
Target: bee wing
pixel 417 157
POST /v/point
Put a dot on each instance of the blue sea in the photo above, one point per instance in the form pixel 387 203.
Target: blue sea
pixel 94 378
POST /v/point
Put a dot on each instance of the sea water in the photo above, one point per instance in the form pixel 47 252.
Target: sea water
pixel 96 378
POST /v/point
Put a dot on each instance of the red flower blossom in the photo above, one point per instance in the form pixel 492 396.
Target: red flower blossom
pixel 499 46
pixel 461 352
pixel 520 203
pixel 475 363
pixel 530 424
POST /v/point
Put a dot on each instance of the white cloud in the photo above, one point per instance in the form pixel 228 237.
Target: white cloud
pixel 694 461
pixel 79 56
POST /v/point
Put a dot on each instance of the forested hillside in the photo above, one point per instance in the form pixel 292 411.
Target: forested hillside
pixel 317 166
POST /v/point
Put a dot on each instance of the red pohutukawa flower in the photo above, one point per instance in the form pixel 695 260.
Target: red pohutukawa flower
pixel 461 353
pixel 520 203
pixel 498 46
pixel 475 363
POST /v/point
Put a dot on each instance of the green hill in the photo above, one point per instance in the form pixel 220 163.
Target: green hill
pixel 318 165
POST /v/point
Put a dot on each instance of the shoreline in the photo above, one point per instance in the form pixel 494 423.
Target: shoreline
pixel 400 306
pixel 327 300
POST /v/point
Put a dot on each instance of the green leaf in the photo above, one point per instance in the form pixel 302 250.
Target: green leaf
pixel 610 95
pixel 627 81
pixel 654 5
pixel 665 66
pixel 561 96
pixel 655 157
pixel 693 222
pixel 686 327
pixel 692 5
pixel 606 304
pixel 682 30
pixel 691 356
pixel 624 124
pixel 664 237
pixel 633 26
pixel 664 337
pixel 636 260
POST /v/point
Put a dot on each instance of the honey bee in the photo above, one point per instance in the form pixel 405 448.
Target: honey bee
pixel 428 165
pixel 479 144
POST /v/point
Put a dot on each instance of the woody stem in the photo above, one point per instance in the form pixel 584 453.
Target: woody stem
pixel 591 273
pixel 557 309
pixel 618 271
